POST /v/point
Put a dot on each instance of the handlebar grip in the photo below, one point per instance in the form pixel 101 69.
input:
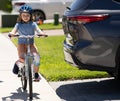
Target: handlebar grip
pixel 46 35
pixel 12 35
pixel 42 35
pixel 16 35
pixel 9 35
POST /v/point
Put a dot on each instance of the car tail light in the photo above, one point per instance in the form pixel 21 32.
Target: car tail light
pixel 19 4
pixel 88 18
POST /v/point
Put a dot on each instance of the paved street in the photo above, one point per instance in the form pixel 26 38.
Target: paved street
pixel 105 89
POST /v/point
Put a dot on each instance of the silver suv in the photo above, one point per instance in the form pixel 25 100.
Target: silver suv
pixel 43 9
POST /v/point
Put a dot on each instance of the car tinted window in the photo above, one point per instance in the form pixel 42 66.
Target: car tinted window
pixel 117 1
pixel 79 4
pixel 104 4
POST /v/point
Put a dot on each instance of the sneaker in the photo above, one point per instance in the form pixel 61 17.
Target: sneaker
pixel 17 66
pixel 36 77
pixel 15 69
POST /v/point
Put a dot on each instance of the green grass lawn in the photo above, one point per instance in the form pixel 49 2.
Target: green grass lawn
pixel 53 67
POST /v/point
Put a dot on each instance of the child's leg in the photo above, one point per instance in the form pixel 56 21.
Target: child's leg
pixel 36 58
pixel 21 50
pixel 36 62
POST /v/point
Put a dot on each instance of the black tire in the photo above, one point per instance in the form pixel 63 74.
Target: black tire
pixel 30 79
pixel 38 15
pixel 111 74
pixel 117 68
pixel 23 79
pixel 117 72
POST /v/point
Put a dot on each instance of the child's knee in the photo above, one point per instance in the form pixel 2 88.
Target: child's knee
pixel 36 61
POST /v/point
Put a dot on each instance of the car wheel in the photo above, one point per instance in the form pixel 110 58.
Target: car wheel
pixel 117 73
pixel 38 15
pixel 111 74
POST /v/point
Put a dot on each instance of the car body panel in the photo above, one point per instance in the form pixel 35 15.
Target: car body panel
pixel 92 44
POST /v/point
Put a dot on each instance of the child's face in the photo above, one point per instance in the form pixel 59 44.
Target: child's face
pixel 25 17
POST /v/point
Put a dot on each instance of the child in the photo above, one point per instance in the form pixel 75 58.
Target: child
pixel 26 26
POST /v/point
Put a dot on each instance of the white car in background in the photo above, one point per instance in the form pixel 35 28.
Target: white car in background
pixel 43 9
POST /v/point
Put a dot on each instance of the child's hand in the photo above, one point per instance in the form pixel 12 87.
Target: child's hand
pixel 44 35
pixel 12 35
pixel 9 35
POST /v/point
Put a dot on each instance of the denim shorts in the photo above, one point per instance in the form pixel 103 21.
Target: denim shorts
pixel 24 41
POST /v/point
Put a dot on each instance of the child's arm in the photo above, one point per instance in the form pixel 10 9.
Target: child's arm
pixel 13 31
pixel 38 30
pixel 40 33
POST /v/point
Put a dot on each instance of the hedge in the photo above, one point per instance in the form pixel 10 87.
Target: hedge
pixel 5 5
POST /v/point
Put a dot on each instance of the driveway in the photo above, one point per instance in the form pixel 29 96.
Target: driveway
pixel 105 89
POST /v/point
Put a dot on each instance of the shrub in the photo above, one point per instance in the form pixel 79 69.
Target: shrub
pixel 5 5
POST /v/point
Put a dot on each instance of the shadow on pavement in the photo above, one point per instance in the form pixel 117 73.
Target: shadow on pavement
pixel 90 91
pixel 20 95
pixel 1 81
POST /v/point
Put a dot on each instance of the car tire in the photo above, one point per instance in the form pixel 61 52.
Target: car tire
pixel 117 68
pixel 111 74
pixel 117 73
pixel 38 15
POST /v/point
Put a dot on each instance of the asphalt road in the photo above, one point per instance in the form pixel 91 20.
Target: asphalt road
pixel 106 89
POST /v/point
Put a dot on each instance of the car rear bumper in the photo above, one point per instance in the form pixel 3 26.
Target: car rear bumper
pixel 69 56
pixel 67 49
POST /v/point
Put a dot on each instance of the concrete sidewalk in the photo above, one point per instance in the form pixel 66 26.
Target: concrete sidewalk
pixel 10 85
pixel 55 32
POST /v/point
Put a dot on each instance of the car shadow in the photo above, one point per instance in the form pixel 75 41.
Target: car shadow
pixel 20 95
pixel 90 91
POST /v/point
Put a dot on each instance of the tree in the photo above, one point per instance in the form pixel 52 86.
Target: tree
pixel 5 5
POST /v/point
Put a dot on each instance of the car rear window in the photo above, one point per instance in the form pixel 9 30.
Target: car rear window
pixel 79 4
pixel 95 4
pixel 117 1
pixel 105 4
